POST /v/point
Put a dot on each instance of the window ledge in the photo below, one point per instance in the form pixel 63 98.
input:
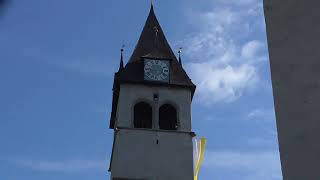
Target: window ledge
pixel 193 134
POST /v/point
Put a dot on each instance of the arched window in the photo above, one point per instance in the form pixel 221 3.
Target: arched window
pixel 168 117
pixel 142 115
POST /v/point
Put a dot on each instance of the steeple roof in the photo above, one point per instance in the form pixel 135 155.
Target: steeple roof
pixel 152 41
pixel 153 44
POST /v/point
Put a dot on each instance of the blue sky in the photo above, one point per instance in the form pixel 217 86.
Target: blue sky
pixel 57 64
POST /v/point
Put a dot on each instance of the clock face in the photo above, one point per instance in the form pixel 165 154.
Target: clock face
pixel 156 70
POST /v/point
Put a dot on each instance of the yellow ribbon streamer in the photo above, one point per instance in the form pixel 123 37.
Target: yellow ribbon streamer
pixel 202 147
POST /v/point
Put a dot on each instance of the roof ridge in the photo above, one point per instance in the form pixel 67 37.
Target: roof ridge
pixel 152 39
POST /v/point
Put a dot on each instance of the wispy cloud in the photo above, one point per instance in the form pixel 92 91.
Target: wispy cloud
pixel 244 165
pixel 66 166
pixel 266 122
pixel 222 56
pixel 268 141
pixel 262 115
pixel 239 2
pixel 216 84
pixel 252 51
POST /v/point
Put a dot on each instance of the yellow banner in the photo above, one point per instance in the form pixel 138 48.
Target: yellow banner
pixel 202 147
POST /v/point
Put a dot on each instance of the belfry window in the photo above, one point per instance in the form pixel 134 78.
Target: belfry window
pixel 142 115
pixel 168 117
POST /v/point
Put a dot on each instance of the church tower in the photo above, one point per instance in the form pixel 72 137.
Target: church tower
pixel 151 112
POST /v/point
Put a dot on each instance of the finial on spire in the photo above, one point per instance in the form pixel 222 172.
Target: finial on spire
pixel 121 59
pixel 156 30
pixel 180 51
pixel 151 9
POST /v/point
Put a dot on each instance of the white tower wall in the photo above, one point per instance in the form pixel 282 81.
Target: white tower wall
pixel 293 30
pixel 131 94
pixel 152 154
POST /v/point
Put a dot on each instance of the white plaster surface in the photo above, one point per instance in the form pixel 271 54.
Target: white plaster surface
pixel 131 94
pixel 138 156
pixel 136 153
pixel 293 31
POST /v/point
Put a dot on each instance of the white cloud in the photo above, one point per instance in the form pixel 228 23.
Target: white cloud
pixel 221 17
pixel 63 166
pixel 221 56
pixel 266 141
pixel 245 165
pixel 226 83
pixel 238 2
pixel 262 115
pixel 266 122
pixel 251 49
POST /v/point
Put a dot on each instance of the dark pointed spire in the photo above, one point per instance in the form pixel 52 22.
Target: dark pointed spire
pixel 153 44
pixel 152 41
pixel 121 66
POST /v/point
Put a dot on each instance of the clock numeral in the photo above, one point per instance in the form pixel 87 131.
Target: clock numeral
pixel 156 70
pixel 147 67
pixel 164 75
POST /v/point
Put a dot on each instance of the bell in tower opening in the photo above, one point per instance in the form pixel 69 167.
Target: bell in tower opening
pixel 151 112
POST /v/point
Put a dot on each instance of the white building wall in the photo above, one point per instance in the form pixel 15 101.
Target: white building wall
pixel 130 94
pixel 293 30
pixel 152 155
